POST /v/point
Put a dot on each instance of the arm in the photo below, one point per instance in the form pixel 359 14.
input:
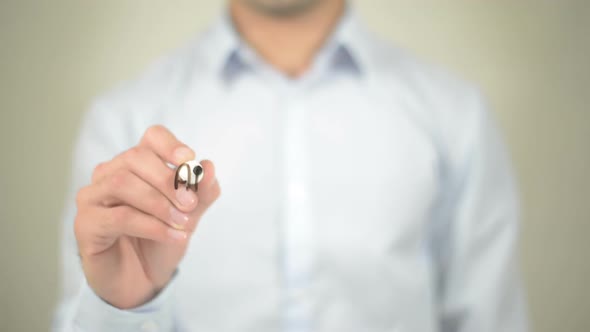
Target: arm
pixel 103 289
pixel 479 281
pixel 102 136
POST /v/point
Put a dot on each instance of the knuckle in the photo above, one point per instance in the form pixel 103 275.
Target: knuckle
pixel 119 179
pixel 81 196
pixel 131 156
pixel 82 226
pixel 153 132
pixel 98 168
pixel 99 171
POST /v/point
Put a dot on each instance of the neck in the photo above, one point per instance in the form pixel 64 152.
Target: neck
pixel 288 43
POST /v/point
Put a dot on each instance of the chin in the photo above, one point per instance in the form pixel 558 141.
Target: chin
pixel 282 7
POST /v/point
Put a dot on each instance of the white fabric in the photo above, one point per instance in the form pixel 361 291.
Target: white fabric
pixel 371 194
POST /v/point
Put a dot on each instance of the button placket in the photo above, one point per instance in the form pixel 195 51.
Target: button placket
pixel 297 221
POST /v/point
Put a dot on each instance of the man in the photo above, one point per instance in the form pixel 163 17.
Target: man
pixel 362 190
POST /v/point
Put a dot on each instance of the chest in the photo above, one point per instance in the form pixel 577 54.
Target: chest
pixel 355 172
pixel 367 170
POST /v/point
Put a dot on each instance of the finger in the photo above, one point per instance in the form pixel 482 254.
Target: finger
pixel 166 145
pixel 208 187
pixel 97 228
pixel 209 192
pixel 126 188
pixel 125 220
pixel 144 163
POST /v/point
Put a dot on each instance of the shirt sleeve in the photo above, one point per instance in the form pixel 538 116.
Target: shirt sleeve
pixel 106 131
pixel 480 288
pixel 94 314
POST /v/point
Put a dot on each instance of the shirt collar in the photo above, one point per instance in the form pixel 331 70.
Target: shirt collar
pixel 344 51
pixel 348 39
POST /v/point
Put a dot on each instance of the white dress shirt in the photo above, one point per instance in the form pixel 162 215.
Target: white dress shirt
pixel 371 194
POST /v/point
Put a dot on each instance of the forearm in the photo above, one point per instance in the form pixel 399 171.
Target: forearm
pixel 89 313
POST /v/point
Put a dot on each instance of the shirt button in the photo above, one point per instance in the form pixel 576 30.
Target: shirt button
pixel 149 326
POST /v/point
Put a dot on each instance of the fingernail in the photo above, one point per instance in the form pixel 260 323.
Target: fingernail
pixel 185 197
pixel 183 154
pixel 179 219
pixel 176 234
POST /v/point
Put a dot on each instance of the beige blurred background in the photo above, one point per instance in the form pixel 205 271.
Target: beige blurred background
pixel 531 58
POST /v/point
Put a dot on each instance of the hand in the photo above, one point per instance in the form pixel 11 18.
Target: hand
pixel 132 227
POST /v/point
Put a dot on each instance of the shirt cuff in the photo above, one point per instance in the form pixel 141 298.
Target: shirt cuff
pixel 94 314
